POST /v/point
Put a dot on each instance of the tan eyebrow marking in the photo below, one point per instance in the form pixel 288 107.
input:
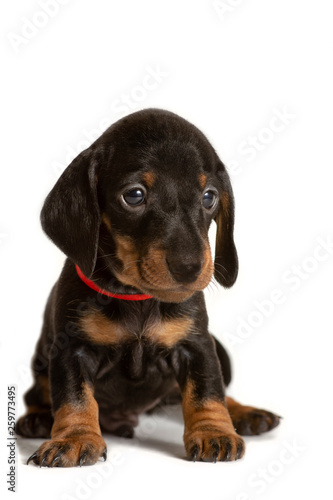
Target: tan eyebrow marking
pixel 202 180
pixel 149 178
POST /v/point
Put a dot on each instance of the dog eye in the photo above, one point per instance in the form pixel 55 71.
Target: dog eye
pixel 134 197
pixel 209 199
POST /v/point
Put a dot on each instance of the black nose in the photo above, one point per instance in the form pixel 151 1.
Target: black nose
pixel 184 271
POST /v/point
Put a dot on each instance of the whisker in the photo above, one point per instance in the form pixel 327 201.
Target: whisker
pixel 106 255
pixel 130 264
pixel 219 273
pixel 218 264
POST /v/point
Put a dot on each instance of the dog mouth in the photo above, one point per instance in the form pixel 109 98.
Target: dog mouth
pixel 150 273
pixel 168 292
pixel 181 288
pixel 177 293
pixel 176 287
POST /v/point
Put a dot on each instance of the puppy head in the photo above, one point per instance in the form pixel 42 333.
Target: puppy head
pixel 142 198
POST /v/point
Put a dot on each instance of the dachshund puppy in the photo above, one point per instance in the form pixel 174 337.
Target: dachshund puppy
pixel 125 326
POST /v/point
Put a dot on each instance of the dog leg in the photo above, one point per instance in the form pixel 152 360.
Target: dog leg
pixel 250 421
pixel 75 436
pixel 209 432
pixel 38 420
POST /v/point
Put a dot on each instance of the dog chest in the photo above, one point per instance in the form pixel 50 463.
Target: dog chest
pixel 163 332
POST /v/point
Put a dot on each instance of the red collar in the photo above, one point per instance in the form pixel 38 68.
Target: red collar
pixel 92 285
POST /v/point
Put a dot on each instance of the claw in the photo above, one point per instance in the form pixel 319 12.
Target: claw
pixel 216 452
pixel 239 449
pixel 195 452
pixel 33 456
pixel 60 453
pixel 82 459
pixel 228 447
pixel 55 460
pixel 104 455
pixel 44 460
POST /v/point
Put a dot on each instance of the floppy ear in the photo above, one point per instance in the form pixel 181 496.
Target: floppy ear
pixel 226 260
pixel 71 216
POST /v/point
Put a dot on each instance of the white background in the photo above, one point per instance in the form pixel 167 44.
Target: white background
pixel 229 71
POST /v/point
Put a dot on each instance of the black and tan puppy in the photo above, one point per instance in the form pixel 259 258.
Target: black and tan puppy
pixel 125 326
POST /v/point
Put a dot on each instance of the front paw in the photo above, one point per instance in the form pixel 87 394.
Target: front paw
pixel 83 449
pixel 213 445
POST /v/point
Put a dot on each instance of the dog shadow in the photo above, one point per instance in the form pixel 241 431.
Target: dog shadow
pixel 151 426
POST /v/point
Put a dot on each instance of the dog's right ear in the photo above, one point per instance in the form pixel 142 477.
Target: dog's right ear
pixel 71 215
pixel 226 260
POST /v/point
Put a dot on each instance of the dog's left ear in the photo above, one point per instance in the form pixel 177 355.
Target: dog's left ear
pixel 226 260
pixel 71 215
